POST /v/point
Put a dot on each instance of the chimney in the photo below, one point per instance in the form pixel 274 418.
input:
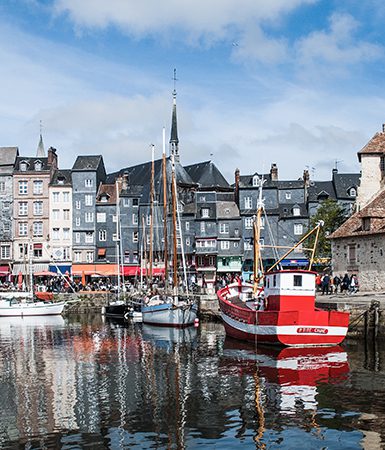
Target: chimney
pixel 52 158
pixel 306 177
pixel 236 191
pixel 125 181
pixel 274 172
pixel 383 127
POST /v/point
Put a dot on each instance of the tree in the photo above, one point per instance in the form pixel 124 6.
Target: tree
pixel 333 216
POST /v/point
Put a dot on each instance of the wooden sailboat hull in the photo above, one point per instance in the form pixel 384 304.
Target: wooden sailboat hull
pixel 170 315
pixel 22 309
pixel 288 328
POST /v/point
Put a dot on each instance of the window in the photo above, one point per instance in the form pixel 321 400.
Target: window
pixel 77 256
pixel 188 241
pixel 89 256
pixel 288 195
pixel 135 236
pixel 148 219
pixel 236 244
pixel 274 280
pixel 89 217
pixel 262 223
pixel 211 261
pixel 352 255
pixel 203 228
pixel 38 187
pixel 77 238
pixel 66 234
pixel 2 186
pixel 55 197
pixel 77 221
pixel 38 208
pixel 225 245
pixel 205 212
pixel 102 235
pixel 23 229
pixel 38 228
pixel 255 180
pixel 66 214
pixel 78 204
pixel 298 229
pixel 37 250
pixel 66 196
pixel 55 214
pixel 126 202
pixel 180 207
pixel 38 166
pixel 247 246
pixel 88 182
pixel 5 251
pixel 382 164
pixel 135 202
pixel 223 228
pixel 89 237
pixel 297 280
pixel 126 256
pixel 23 208
pixel 23 250
pixel 187 226
pixel 23 166
pixel 178 242
pixel 88 200
pixel 352 192
pixel 135 219
pixel 5 205
pixel 248 223
pixel 296 211
pixel 6 226
pixel 55 234
pixel 66 253
pixel 248 202
pixel 23 187
pixel 101 217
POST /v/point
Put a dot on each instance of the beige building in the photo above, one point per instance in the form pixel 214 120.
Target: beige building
pixel 60 221
pixel 31 179
pixel 358 246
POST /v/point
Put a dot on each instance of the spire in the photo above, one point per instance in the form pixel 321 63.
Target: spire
pixel 40 148
pixel 174 141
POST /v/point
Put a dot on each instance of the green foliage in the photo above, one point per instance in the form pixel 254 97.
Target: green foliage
pixel 333 216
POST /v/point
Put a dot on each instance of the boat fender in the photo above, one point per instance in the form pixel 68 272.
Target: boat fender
pixel 127 315
pixel 103 310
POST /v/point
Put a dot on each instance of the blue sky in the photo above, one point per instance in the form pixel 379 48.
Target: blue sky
pixel 299 83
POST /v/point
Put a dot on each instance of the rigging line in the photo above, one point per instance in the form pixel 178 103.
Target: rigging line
pixel 271 236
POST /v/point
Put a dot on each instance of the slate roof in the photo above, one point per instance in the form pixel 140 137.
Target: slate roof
pixel 61 177
pixel 343 182
pixel 207 175
pixel 8 155
pixel 318 188
pixel 31 164
pixel 227 210
pixel 375 210
pixel 376 145
pixel 286 210
pixel 87 162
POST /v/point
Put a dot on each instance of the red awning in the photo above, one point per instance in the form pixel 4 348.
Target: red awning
pixel 4 270
pixel 135 271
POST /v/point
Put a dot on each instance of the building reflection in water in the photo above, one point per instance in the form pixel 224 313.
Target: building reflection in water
pixel 116 385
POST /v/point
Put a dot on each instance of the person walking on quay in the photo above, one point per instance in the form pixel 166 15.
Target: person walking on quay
pixel 353 285
pixel 345 283
pixel 337 283
pixel 325 284
pixel 318 282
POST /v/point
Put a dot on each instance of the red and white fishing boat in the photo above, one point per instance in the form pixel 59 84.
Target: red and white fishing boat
pixel 281 311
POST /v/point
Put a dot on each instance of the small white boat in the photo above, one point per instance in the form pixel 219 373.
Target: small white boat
pixel 15 308
pixel 164 311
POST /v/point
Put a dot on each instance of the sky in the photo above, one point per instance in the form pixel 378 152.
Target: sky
pixel 298 83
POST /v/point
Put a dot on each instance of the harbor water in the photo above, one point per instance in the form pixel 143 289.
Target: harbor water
pixel 87 382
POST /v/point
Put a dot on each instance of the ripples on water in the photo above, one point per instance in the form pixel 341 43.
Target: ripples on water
pixel 78 383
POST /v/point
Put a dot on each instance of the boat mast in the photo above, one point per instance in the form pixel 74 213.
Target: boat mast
pixel 117 234
pixel 165 209
pixel 257 235
pixel 174 230
pixel 151 250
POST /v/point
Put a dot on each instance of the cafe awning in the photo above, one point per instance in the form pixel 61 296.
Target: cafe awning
pixel 4 270
pixel 105 270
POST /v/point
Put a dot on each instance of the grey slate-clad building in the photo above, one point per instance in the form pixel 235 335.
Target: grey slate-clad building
pixel 8 157
pixel 87 173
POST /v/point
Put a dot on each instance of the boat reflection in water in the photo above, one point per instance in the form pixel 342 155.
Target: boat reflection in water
pixel 168 337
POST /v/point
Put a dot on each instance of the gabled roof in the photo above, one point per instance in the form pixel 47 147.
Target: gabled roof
pixel 375 210
pixel 227 210
pixel 207 175
pixel 8 155
pixel 31 163
pixel 87 162
pixel 376 145
pixel 108 190
pixel 61 177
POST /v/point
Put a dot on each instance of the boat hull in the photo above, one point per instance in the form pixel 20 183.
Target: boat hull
pixel 117 309
pixel 22 309
pixel 170 315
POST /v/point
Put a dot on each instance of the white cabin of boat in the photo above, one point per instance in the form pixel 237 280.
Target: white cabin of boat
pixel 289 290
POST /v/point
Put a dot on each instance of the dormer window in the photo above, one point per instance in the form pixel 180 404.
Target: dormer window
pixel 255 180
pixel 353 192
pixel 366 224
pixel 104 198
pixel 23 166
pixel 38 165
pixel 288 195
pixel 205 212
pixel 296 211
pixel 60 180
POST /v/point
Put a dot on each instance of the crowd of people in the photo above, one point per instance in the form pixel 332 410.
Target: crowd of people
pixel 326 284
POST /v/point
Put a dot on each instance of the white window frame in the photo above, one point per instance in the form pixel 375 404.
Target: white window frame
pixel 37 229
pixel 225 245
pixel 102 235
pixel 38 187
pixel 89 217
pixel 248 201
pixel 38 208
pixel 298 229
pixel 88 182
pixel 101 217
pixel 23 187
pixel 66 196
pixel 89 237
pixel 23 209
pixel 224 228
pixel 88 200
pixel 205 213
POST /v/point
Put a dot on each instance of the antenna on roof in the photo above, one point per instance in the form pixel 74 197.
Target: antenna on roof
pixel 336 162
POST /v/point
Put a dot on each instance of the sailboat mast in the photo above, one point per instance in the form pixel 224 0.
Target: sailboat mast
pixel 257 235
pixel 165 209
pixel 174 230
pixel 117 234
pixel 151 250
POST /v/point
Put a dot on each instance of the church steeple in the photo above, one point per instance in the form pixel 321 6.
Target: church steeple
pixel 40 153
pixel 174 141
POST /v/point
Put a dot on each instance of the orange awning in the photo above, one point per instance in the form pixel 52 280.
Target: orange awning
pixel 101 252
pixel 105 270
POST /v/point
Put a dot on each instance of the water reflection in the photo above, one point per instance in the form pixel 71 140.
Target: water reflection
pixel 85 382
